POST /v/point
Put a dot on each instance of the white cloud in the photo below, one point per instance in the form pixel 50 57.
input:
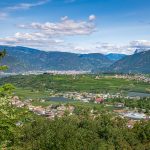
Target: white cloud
pixel 45 42
pixel 27 5
pixel 34 40
pixel 49 35
pixel 140 44
pixel 130 48
pixel 65 27
pixel 21 6
pixel 114 48
pixel 104 48
pixel 92 17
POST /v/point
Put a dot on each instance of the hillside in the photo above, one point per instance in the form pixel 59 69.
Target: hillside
pixel 115 57
pixel 136 63
pixel 20 59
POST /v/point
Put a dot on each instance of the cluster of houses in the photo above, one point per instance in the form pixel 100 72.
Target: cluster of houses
pixel 68 72
pixel 93 97
pixel 50 112
pixel 132 116
pixel 89 97
pixel 60 110
pixel 134 77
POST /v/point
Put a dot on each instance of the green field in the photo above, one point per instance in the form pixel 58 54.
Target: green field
pixel 26 93
pixel 37 85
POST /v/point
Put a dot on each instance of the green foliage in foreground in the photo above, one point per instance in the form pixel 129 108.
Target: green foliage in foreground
pixel 79 83
pixel 82 133
pixel 10 116
pixel 2 55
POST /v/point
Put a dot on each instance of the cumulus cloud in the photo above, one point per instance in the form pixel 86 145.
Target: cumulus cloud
pixel 65 27
pixel 49 35
pixel 34 40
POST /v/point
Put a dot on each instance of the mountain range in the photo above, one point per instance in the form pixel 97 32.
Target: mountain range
pixel 139 62
pixel 22 59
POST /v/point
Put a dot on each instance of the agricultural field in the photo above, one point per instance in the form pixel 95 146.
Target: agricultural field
pixel 82 83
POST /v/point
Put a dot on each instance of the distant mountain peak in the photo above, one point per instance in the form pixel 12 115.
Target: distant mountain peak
pixel 140 50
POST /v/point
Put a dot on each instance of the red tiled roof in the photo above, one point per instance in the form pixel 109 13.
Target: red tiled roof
pixel 99 99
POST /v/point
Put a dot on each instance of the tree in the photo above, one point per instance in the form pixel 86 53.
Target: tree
pixel 2 55
pixel 6 111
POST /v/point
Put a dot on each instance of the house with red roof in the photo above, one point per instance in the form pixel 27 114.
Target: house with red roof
pixel 99 100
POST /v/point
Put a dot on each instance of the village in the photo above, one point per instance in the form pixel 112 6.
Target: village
pixel 136 77
pixel 92 97
pixel 59 110
pixel 64 107
pixel 50 112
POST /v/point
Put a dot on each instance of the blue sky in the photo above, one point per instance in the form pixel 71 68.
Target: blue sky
pixel 81 26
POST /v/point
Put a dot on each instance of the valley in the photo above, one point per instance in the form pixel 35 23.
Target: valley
pixel 74 75
pixel 84 89
pixel 67 101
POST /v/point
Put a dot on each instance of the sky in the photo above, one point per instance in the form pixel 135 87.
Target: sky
pixel 78 26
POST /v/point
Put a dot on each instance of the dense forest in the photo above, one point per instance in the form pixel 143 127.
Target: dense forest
pixel 24 131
